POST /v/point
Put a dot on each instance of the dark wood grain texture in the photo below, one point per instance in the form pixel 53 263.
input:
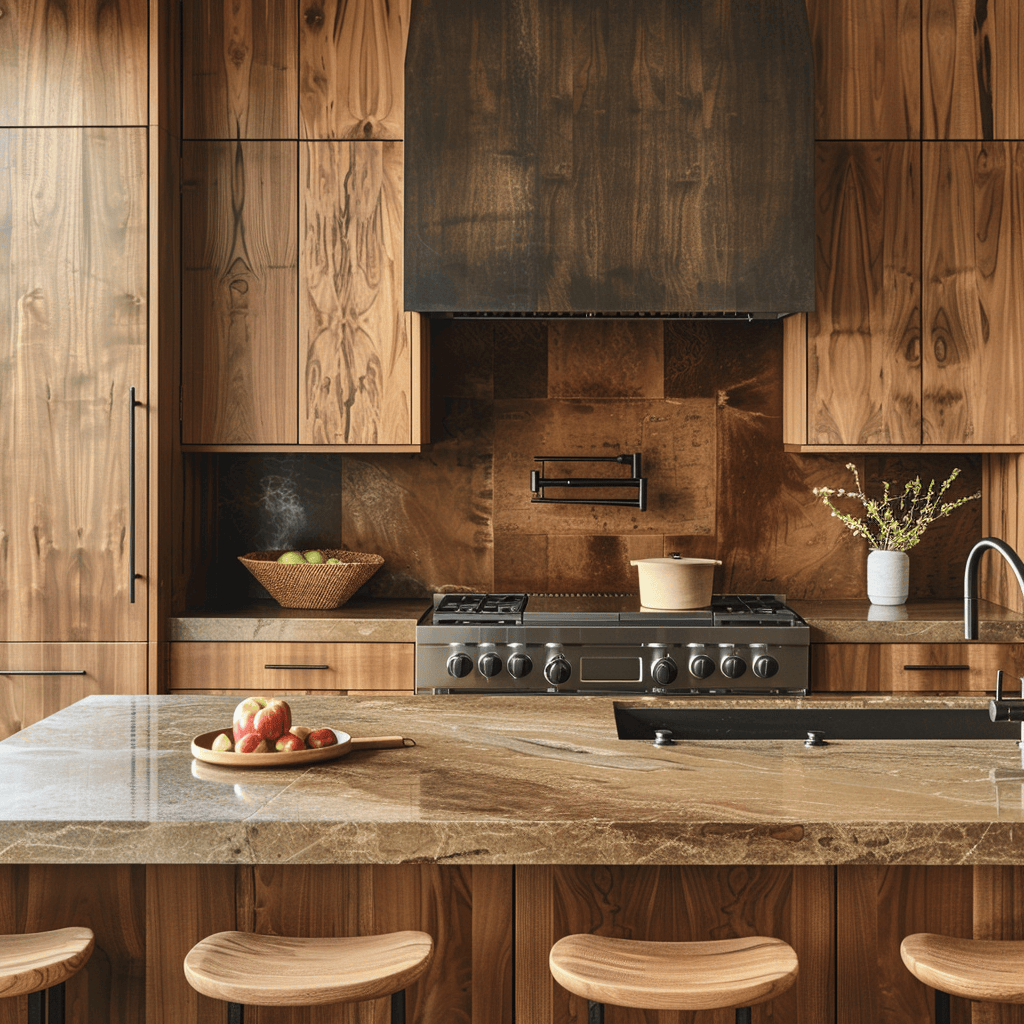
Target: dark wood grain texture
pixel 867 68
pixel 352 68
pixel 355 359
pixel 973 304
pixel 239 283
pixel 239 69
pixel 1002 516
pixel 973 69
pixel 74 316
pixel 74 64
pixel 864 339
pixel 561 160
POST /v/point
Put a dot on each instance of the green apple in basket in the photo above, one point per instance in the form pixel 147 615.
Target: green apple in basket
pixel 292 558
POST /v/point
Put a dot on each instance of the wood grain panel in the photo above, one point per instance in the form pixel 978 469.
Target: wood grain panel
pixel 355 362
pixel 864 339
pixel 352 69
pixel 973 70
pixel 794 379
pixel 867 68
pixel 111 987
pixel 74 64
pixel 674 904
pixel 983 661
pixel 546 120
pixel 1002 516
pixel 239 260
pixel 842 668
pixel 239 69
pixel 242 666
pixel 998 901
pixel 973 306
pixel 875 908
pixel 74 316
pixel 108 669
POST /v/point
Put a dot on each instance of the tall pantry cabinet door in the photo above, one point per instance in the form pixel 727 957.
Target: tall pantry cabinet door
pixel 355 354
pixel 73 208
pixel 973 301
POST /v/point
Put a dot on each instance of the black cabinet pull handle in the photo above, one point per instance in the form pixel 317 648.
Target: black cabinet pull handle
pixel 44 672
pixel 937 668
pixel 132 575
pixel 309 668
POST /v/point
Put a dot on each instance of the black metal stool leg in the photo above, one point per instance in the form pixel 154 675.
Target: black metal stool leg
pixel 55 1004
pixel 37 1008
pixel 595 1012
pixel 742 1015
pixel 398 1007
pixel 236 1013
pixel 941 1007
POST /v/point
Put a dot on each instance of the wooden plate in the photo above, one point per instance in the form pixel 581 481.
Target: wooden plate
pixel 201 751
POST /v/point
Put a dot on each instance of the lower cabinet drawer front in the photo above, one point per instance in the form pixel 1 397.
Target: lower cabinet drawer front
pixel 296 667
pixel 913 668
pixel 37 680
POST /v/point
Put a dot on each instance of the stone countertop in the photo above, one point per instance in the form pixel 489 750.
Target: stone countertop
pixel 917 622
pixel 500 780
pixel 357 621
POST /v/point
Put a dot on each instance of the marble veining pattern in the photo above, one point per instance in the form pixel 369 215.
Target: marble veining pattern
pixel 499 780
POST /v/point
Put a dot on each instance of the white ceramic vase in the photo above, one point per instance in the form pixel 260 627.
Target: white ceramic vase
pixel 888 576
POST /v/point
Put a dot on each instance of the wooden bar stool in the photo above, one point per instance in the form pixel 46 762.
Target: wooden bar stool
pixel 37 964
pixel 722 974
pixel 273 970
pixel 985 970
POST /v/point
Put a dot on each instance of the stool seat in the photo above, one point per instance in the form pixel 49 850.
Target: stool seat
pixel 275 970
pixel 718 974
pixel 985 970
pixel 40 960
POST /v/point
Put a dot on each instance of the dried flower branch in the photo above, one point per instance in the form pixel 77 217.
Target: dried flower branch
pixel 894 522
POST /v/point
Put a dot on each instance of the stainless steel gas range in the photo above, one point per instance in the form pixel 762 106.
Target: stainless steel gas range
pixel 609 644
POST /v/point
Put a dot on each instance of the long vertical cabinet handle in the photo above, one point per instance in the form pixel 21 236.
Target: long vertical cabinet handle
pixel 132 575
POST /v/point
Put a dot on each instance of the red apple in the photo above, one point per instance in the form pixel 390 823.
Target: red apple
pixel 273 720
pixel 250 743
pixel 245 713
pixel 222 742
pixel 289 742
pixel 321 738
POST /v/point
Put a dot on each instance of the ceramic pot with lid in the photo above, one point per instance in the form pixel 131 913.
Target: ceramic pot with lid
pixel 675 583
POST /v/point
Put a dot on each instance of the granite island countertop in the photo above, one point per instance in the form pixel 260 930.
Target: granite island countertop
pixel 500 780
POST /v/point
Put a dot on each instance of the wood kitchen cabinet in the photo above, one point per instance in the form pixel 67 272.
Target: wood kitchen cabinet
pixel 911 348
pixel 227 667
pixel 912 668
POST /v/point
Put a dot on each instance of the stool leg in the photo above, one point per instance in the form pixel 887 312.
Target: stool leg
pixel 398 1007
pixel 55 1004
pixel 595 1012
pixel 236 1013
pixel 941 1007
pixel 742 1015
pixel 36 1008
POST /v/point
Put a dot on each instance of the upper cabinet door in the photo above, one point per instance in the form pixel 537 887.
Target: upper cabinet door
pixel 973 297
pixel 73 315
pixel 82 62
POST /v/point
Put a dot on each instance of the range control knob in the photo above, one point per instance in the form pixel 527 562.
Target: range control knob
pixel 765 666
pixel 519 665
pixel 733 667
pixel 489 664
pixel 557 671
pixel 664 671
pixel 701 666
pixel 459 665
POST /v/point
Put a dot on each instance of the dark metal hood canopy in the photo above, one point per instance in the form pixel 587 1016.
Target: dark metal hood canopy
pixel 609 158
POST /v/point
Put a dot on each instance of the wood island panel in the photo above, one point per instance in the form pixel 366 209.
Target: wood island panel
pixel 239 69
pixel 352 69
pixel 972 302
pixel 73 319
pixel 239 264
pixel 305 667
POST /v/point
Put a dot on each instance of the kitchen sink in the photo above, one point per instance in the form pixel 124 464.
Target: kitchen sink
pixel 638 723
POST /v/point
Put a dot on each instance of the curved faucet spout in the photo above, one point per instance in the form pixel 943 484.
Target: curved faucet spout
pixel 971 580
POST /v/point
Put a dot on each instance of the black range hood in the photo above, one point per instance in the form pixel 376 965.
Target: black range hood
pixel 592 158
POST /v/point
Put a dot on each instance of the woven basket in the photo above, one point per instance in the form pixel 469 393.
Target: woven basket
pixel 309 585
